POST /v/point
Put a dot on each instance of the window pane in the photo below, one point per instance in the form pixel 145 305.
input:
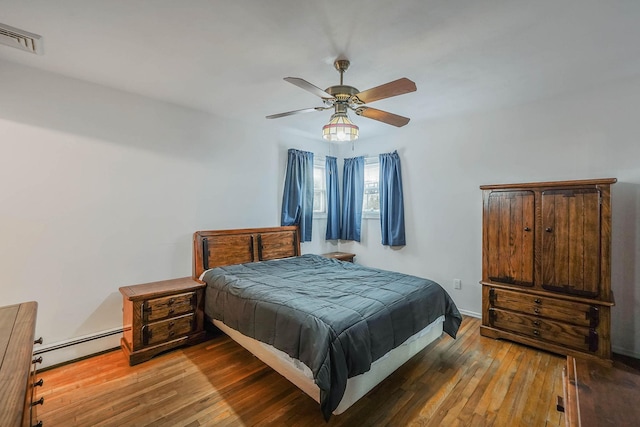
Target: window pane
pixel 319 187
pixel 371 199
pixel 318 178
pixel 318 201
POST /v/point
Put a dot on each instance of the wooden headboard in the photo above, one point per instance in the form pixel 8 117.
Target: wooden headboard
pixel 217 248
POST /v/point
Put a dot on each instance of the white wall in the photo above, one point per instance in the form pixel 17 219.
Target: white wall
pixel 593 134
pixel 101 189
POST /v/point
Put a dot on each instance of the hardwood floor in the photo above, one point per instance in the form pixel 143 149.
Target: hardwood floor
pixel 470 381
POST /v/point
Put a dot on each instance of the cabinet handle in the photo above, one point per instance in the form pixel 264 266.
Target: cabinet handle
pixel 37 360
pixel 38 402
pixel 38 383
pixel 38 341
pixel 145 310
pixel 548 229
pixel 527 229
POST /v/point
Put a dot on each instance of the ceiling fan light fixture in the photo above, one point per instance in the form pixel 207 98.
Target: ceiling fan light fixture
pixel 340 129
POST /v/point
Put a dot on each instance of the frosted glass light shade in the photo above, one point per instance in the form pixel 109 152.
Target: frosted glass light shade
pixel 340 128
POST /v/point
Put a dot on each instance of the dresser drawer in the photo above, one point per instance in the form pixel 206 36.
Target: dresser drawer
pixel 576 337
pixel 566 311
pixel 169 329
pixel 174 305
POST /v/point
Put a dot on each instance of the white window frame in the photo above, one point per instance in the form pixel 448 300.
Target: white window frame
pixel 371 162
pixel 319 165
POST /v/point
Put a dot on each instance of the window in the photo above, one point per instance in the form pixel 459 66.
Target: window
pixel 371 199
pixel 319 187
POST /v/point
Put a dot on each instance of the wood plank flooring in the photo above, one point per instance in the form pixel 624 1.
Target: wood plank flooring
pixel 470 381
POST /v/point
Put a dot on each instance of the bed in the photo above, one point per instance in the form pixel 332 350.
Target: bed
pixel 334 329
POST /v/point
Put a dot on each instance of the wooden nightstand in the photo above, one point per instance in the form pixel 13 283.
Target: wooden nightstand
pixel 159 316
pixel 342 256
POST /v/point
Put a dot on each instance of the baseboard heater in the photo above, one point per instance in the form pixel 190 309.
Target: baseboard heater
pixel 81 340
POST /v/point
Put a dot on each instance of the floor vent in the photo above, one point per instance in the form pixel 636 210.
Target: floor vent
pixel 20 39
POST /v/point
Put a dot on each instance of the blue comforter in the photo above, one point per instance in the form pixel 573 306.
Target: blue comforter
pixel 336 317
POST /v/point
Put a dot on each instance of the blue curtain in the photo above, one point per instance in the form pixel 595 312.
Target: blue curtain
pixel 352 193
pixel 333 199
pixel 391 200
pixel 297 198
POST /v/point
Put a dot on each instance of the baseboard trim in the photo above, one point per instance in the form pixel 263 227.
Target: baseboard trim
pixel 625 352
pixel 78 359
pixel 79 348
pixel 470 313
pixel 76 341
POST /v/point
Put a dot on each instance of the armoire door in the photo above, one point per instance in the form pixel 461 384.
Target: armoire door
pixel 571 241
pixel 509 240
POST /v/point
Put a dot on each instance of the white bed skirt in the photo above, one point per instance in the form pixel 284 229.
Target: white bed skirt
pixel 300 375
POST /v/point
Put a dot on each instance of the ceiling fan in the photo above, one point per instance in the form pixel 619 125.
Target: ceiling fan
pixel 342 98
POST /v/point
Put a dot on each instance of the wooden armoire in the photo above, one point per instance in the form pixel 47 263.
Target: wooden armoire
pixel 546 265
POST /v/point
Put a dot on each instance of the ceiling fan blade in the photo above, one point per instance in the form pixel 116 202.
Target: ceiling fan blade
pixel 387 90
pixel 303 84
pixel 290 113
pixel 382 116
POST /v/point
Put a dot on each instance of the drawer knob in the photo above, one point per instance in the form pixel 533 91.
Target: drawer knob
pixel 536 310
pixel 171 311
pixel 171 301
pixel 38 341
pixel 172 333
pixel 38 383
pixel 171 325
pixel 548 229
pixel 527 229
pixel 536 322
pixel 537 301
pixel 38 425
pixel 37 360
pixel 536 332
pixel 38 402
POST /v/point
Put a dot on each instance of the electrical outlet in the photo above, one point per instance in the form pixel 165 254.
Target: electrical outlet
pixel 457 284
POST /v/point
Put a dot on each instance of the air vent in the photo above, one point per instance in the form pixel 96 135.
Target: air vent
pixel 20 39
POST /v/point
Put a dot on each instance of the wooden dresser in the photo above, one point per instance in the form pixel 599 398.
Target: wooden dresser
pixel 596 395
pixel 546 265
pixel 159 316
pixel 17 370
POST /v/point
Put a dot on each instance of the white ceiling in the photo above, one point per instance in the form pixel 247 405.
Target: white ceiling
pixel 228 58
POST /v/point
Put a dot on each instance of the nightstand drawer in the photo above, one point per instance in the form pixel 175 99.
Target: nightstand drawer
pixel 174 305
pixel 567 311
pixel 577 337
pixel 167 329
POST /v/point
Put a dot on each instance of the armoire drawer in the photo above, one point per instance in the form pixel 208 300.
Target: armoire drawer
pixel 563 310
pixel 572 336
pixel 173 305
